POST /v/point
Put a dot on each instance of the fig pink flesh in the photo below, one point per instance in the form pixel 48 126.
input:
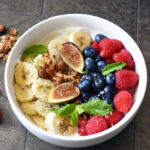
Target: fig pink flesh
pixel 71 54
pixel 65 90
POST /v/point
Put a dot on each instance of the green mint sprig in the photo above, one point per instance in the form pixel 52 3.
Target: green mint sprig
pixel 94 107
pixel 34 50
pixel 113 67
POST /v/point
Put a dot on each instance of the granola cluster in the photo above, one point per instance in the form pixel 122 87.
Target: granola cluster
pixel 64 127
pixel 7 42
pixel 58 72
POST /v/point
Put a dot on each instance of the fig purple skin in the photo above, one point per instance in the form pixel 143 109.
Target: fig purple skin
pixel 72 56
pixel 63 92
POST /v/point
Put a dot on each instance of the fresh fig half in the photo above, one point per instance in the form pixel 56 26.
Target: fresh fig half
pixel 63 92
pixel 72 56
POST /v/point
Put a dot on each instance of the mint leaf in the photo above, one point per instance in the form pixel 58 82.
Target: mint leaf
pixel 34 50
pixel 65 110
pixel 112 67
pixel 95 107
pixel 74 118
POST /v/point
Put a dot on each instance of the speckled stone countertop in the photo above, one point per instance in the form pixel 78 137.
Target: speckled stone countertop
pixel 132 15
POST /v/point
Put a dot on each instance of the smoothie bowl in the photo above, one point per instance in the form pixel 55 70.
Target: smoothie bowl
pixel 75 83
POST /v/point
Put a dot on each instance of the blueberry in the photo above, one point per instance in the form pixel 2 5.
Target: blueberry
pixel 84 85
pixel 90 65
pixel 87 76
pixel 99 37
pixel 99 84
pixel 93 97
pixel 109 99
pixel 109 89
pixel 100 66
pixel 95 75
pixel 110 79
pixel 89 52
pixel 101 94
pixel 85 97
pixel 106 97
pixel 99 58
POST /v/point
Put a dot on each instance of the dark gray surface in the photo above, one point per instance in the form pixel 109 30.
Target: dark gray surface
pixel 132 15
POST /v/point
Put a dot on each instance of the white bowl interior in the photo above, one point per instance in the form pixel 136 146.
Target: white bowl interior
pixel 93 25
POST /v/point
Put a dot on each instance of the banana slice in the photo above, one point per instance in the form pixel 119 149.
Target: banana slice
pixel 29 108
pixel 53 46
pixel 80 38
pixel 25 74
pixel 41 89
pixel 24 94
pixel 39 60
pixel 39 121
pixel 42 108
pixel 28 60
pixel 59 125
pixel 52 121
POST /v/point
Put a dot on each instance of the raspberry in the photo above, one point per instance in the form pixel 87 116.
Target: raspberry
pixel 126 79
pixel 124 56
pixel 96 124
pixel 108 47
pixel 109 60
pixel 82 121
pixel 82 129
pixel 94 44
pixel 123 101
pixel 114 117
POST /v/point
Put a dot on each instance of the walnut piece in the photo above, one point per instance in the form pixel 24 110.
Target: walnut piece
pixel 43 74
pixel 2 28
pixel 5 57
pixel 60 66
pixel 13 31
pixel 7 42
pixel 59 80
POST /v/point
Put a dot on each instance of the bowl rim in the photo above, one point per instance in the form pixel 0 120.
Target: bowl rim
pixel 19 114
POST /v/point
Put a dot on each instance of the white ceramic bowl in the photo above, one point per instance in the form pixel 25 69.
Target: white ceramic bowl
pixel 94 25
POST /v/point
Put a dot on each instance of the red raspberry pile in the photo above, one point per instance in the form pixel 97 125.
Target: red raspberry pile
pixel 126 81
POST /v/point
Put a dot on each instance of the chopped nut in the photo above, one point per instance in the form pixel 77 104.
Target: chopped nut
pixel 13 31
pixel 2 28
pixel 73 73
pixel 60 66
pixel 59 80
pixel 7 48
pixel 5 37
pixel 50 71
pixel 2 46
pixel 1 55
pixel 7 42
pixel 13 39
pixel 43 74
pixel 5 57
pixel 45 65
